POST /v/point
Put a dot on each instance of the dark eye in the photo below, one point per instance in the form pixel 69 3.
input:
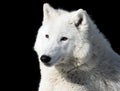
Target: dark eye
pixel 47 36
pixel 63 39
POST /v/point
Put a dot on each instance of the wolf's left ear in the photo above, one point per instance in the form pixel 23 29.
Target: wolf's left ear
pixel 80 17
pixel 48 11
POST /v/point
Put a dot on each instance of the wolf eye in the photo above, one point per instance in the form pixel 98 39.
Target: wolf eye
pixel 47 36
pixel 63 39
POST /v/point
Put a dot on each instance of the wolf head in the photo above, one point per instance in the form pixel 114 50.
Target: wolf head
pixel 62 36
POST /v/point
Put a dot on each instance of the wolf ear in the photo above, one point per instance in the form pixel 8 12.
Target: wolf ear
pixel 48 11
pixel 80 17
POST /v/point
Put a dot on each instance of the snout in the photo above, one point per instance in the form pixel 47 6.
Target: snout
pixel 45 58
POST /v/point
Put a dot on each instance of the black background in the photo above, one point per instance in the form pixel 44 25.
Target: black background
pixel 22 20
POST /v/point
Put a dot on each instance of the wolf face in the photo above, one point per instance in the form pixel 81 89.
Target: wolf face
pixel 60 34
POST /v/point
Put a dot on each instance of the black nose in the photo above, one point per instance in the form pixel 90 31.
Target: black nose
pixel 45 58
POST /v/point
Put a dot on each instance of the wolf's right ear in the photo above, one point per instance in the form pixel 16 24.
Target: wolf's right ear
pixel 48 11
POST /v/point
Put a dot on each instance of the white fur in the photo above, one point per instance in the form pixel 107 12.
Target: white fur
pixel 84 62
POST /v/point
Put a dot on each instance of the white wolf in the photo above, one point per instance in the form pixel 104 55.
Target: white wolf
pixel 74 55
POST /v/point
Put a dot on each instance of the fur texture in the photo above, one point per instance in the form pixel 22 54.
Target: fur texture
pixel 84 61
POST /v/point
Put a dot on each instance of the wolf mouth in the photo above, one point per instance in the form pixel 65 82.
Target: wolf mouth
pixel 60 60
pixel 48 64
